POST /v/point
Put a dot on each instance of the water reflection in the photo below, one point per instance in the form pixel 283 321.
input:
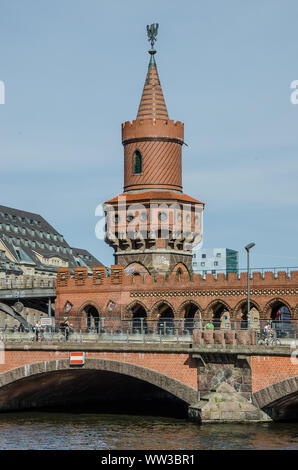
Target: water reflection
pixel 41 431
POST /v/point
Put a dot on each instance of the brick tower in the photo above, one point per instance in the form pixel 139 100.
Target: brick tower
pixel 152 224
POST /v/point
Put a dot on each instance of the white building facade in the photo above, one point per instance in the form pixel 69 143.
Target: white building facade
pixel 215 260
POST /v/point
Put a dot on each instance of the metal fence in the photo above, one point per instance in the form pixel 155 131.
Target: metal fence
pixel 275 270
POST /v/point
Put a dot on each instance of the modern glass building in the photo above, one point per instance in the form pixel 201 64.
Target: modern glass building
pixel 214 260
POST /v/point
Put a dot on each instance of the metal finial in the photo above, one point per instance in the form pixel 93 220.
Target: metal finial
pixel 152 33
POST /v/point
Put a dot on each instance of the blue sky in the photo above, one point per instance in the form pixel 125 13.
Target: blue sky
pixel 74 71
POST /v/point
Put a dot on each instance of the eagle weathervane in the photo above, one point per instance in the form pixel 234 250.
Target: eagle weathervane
pixel 152 33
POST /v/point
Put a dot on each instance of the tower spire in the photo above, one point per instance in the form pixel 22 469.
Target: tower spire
pixel 152 104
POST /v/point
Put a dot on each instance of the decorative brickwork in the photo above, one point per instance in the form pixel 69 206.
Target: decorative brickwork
pixel 179 289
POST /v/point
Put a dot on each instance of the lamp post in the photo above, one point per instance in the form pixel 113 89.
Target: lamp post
pixel 248 247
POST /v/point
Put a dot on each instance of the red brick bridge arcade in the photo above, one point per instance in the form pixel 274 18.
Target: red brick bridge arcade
pixel 208 383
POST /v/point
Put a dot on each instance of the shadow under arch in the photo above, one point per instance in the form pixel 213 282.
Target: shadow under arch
pixel 270 305
pixel 11 391
pixel 191 313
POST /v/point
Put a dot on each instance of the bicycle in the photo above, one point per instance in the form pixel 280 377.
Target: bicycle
pixel 268 339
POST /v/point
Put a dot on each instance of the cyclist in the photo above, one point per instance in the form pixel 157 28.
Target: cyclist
pixel 268 333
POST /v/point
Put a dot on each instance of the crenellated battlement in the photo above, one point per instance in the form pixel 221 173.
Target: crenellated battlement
pixel 159 128
pixel 176 279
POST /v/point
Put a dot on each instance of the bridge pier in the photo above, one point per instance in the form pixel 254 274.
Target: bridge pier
pixel 225 405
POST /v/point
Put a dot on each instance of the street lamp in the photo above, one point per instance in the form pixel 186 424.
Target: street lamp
pixel 248 247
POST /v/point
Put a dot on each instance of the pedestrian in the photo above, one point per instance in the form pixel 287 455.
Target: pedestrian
pixel 209 326
pixel 36 329
pixel 65 327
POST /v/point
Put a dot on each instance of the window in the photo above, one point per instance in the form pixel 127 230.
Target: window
pixel 194 264
pixel 203 256
pixel 202 264
pixel 215 263
pixel 137 162
pixel 162 216
pixel 218 255
pixel 194 255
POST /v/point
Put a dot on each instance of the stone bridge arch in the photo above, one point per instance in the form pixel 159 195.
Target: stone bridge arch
pixel 39 369
pixel 277 399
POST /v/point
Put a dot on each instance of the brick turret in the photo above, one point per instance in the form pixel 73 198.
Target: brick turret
pixel 153 177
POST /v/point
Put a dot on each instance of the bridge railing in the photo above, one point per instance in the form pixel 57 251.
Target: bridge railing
pixel 162 331
pixel 27 282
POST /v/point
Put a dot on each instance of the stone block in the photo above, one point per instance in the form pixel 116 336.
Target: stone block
pixel 252 415
pixel 208 337
pixel 230 337
pixel 219 337
pixel 197 337
pixel 245 388
pixel 252 337
pixel 214 416
pixel 243 337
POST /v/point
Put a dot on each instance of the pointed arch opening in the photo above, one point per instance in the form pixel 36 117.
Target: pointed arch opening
pixel 90 318
pixel 191 314
pixel 139 318
pixel 165 315
pixel 280 316
pixel 220 315
pixel 251 320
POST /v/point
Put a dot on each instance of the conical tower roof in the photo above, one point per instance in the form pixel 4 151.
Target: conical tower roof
pixel 152 105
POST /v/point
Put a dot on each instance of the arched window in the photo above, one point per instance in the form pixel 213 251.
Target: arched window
pixel 137 162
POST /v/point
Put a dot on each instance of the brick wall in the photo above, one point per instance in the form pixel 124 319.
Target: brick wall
pixel 178 366
pixel 267 370
pixel 152 290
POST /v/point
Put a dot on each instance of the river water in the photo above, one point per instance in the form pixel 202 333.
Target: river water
pixel 61 431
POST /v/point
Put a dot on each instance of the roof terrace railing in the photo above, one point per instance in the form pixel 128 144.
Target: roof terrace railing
pixel 238 271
